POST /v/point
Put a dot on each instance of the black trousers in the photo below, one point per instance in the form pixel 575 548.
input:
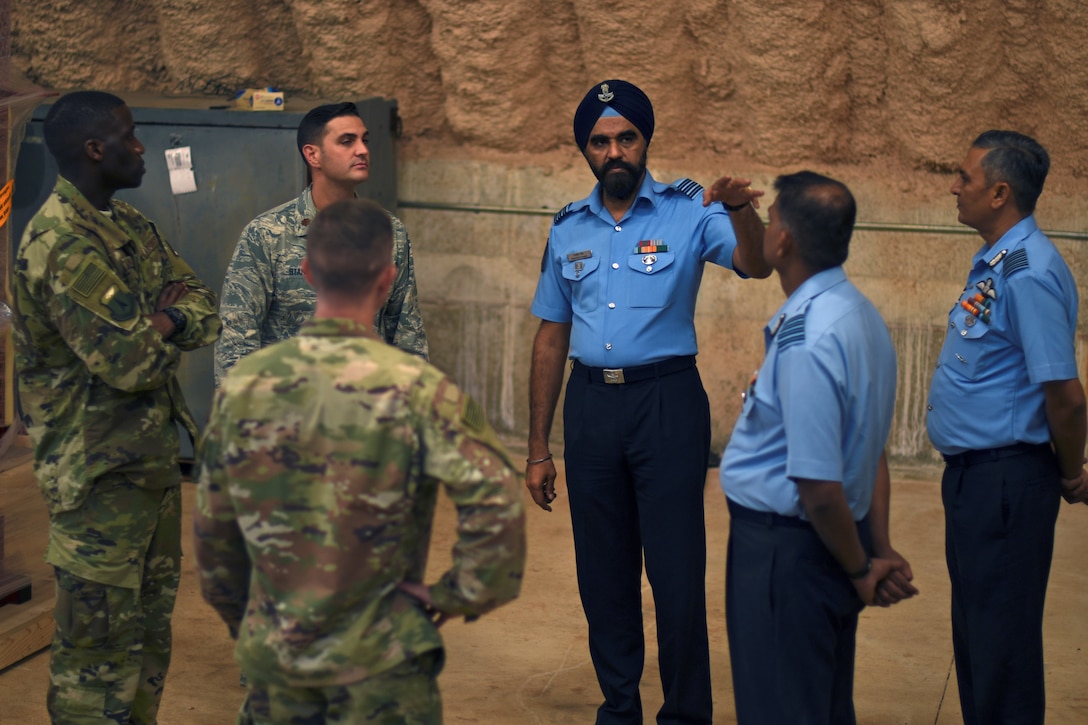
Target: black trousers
pixel 792 616
pixel 636 462
pixel 1000 509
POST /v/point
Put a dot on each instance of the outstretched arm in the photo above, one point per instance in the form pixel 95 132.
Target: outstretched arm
pixel 733 192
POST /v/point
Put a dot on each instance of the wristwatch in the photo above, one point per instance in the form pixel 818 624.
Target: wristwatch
pixel 176 317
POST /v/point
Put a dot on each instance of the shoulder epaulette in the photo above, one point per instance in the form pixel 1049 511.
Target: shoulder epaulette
pixel 687 187
pixel 792 332
pixel 1015 262
pixel 563 213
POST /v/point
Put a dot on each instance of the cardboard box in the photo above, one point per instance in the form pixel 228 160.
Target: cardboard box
pixel 259 99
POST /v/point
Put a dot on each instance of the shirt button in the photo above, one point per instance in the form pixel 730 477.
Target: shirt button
pixel 649 269
pixel 608 346
pixel 611 305
pixel 615 265
pixel 963 333
pixel 619 228
pixel 929 407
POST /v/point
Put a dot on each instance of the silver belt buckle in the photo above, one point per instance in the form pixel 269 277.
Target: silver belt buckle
pixel 613 376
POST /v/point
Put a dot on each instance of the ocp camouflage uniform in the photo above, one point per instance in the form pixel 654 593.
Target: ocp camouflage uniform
pixel 321 466
pixel 100 399
pixel 266 299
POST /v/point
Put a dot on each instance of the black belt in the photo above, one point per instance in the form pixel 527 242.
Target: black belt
pixel 764 518
pixel 618 376
pixel 988 455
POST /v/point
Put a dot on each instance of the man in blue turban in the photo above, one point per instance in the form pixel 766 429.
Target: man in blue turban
pixel 616 294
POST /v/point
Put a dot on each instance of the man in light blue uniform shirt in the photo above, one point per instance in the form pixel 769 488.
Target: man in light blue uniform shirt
pixel 1007 412
pixel 617 289
pixel 805 475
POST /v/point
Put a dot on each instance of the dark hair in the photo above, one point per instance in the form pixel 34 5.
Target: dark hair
pixel 819 212
pixel 73 119
pixel 348 245
pixel 312 127
pixel 1018 160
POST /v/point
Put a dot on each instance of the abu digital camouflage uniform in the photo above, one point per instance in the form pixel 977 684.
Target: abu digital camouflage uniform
pixel 100 399
pixel 266 299
pixel 321 465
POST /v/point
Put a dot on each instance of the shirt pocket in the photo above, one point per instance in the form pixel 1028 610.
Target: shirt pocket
pixel 653 281
pixel 584 282
pixel 967 345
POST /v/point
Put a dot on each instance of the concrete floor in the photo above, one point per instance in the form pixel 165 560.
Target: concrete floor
pixel 528 662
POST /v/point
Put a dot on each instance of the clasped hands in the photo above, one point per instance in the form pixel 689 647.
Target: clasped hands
pixel 888 582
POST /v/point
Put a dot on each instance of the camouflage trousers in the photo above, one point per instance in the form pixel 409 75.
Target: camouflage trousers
pixel 405 695
pixel 111 648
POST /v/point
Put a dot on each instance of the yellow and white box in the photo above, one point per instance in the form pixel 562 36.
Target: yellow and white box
pixel 259 99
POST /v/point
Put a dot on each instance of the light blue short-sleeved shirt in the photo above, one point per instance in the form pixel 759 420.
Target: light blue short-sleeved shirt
pixel 987 389
pixel 629 287
pixel 821 405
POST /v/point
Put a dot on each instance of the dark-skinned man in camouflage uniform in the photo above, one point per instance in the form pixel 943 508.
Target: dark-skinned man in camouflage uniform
pixel 104 307
pixel 321 466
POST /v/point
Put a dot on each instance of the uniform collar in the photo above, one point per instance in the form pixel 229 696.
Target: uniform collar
pixel 335 327
pixel 306 211
pixel 811 288
pixel 89 218
pixel 1009 241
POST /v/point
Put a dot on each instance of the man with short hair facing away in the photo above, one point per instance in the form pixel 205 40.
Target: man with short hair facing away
pixel 104 308
pixel 805 475
pixel 321 466
pixel 265 296
pixel 1007 412
pixel 617 290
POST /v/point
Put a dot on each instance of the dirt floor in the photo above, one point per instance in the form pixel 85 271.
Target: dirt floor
pixel 528 662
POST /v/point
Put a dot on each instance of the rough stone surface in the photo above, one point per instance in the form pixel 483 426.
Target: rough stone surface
pixel 781 82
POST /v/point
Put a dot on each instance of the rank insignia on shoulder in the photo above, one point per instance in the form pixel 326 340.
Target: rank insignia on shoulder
pixel 562 213
pixel 688 187
pixel 575 256
pixel 792 332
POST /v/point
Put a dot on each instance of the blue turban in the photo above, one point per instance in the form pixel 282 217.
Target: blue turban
pixel 625 98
